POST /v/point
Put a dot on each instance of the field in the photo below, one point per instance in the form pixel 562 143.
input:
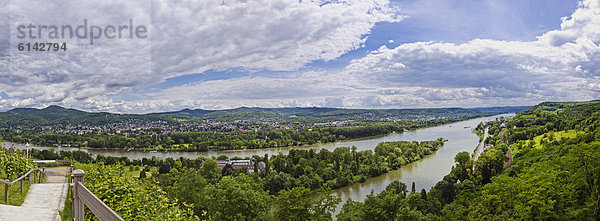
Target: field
pixel 554 135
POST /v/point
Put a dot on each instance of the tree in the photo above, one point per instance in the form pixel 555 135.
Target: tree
pixel 238 198
pixel 189 187
pixel 142 174
pixel 267 164
pixel 448 192
pixel 297 204
pixel 397 187
pixel 165 168
pixel 462 158
pixel 210 170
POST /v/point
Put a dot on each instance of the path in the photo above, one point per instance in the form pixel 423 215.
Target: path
pixel 509 157
pixel 43 200
pixel 481 144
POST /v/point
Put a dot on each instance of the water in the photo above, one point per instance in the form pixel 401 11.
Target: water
pixel 425 172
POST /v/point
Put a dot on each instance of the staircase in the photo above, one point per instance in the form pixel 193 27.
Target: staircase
pixel 43 200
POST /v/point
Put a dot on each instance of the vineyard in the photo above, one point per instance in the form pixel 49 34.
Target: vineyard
pixel 13 163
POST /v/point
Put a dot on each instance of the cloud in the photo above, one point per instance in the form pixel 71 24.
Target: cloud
pixel 553 67
pixel 263 36
pixel 186 37
pixel 479 72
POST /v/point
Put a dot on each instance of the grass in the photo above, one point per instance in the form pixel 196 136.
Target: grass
pixel 556 135
pixel 15 197
pixel 136 173
pixel 181 146
pixel 67 212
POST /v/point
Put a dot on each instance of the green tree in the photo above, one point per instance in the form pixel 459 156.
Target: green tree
pixel 210 170
pixel 142 174
pixel 238 198
pixel 297 204
pixel 189 187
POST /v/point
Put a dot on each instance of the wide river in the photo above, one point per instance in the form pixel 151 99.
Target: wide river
pixel 425 172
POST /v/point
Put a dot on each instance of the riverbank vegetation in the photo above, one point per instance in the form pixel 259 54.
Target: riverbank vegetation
pixel 211 140
pixel 284 190
pixel 343 166
pixel 557 180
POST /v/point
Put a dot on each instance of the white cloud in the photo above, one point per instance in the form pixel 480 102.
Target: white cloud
pixel 187 37
pixel 286 35
pixel 554 67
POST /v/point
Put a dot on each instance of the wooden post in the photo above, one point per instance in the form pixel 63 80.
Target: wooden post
pixel 42 174
pixel 6 193
pixel 21 182
pixel 30 177
pixel 34 175
pixel 77 203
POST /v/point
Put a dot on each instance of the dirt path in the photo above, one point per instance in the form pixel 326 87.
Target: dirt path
pixel 509 157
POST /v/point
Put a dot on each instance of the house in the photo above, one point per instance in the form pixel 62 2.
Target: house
pixel 239 164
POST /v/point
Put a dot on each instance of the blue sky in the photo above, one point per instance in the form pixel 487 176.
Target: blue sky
pixel 349 54
pixel 521 20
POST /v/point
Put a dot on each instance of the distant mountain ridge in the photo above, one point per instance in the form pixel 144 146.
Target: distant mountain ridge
pixel 60 115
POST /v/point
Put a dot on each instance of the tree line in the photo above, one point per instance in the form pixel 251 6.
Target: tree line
pixel 211 140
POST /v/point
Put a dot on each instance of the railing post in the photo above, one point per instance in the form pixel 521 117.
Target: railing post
pixel 77 204
pixel 6 193
pixel 22 182
pixel 42 174
pixel 34 175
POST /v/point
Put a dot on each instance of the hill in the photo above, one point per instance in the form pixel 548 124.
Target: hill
pixel 54 115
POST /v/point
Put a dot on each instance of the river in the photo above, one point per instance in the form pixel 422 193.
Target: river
pixel 425 172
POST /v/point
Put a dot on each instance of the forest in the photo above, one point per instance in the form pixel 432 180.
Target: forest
pixel 553 180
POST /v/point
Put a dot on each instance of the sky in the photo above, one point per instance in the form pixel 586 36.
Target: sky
pixel 221 54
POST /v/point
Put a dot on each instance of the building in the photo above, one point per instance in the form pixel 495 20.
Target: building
pixel 239 164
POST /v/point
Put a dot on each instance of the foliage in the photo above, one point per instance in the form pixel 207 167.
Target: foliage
pixel 390 204
pixel 555 172
pixel 554 177
pixel 237 198
pixel 132 199
pixel 298 204
pixel 13 163
pixel 344 166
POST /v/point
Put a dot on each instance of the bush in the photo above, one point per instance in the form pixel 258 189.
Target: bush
pixel 164 169
pixel 130 198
